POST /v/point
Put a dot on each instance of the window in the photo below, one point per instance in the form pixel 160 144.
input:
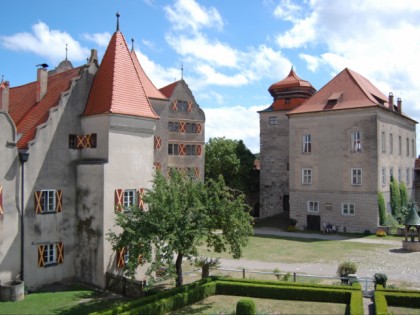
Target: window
pixel 50 254
pixel 72 141
pixel 129 199
pixel 391 143
pixel 313 206
pixel 190 128
pixel 347 208
pixel 306 143
pixel 399 145
pixel 191 149
pixel 383 142
pixel 399 175
pixel 408 147
pixel 48 200
pixel 383 176
pixel 306 176
pixel 356 176
pixel 356 141
pixel 173 126
pixel 272 120
pixel 182 106
pixel 408 176
pixel 173 149
pixel 412 148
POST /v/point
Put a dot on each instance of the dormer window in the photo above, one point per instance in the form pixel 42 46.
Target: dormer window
pixel 333 100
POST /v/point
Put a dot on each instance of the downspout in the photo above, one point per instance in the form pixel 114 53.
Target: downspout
pixel 23 157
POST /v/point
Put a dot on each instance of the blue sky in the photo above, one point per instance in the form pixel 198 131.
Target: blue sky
pixel 231 51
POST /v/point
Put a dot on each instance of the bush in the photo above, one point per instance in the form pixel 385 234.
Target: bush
pixel 346 268
pixel 380 233
pixel 380 278
pixel 382 209
pixel 246 307
pixel 381 306
pixel 291 228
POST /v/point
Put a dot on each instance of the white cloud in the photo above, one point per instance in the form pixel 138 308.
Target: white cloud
pixel 100 39
pixel 287 10
pixel 237 122
pixel 49 44
pixel 211 77
pixel 313 62
pixel 190 15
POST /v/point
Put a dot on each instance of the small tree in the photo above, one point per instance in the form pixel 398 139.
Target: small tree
pixel 246 307
pixel 346 268
pixel 183 213
pixel 403 195
pixel 381 208
pixel 395 197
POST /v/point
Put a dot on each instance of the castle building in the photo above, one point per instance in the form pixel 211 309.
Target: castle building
pixel 345 142
pixel 77 146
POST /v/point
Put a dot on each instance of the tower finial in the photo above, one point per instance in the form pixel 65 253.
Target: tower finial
pixel 118 21
pixel 132 44
pixel 66 51
pixel 182 72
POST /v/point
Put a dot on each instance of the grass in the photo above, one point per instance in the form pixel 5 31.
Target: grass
pixel 73 301
pixel 223 304
pixel 397 310
pixel 299 250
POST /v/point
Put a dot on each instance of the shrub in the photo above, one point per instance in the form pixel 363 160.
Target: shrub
pixel 380 233
pixel 292 222
pixel 380 278
pixel 381 306
pixel 381 208
pixel 246 307
pixel 346 268
pixel 291 228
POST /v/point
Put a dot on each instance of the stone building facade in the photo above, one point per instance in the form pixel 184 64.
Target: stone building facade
pixel 345 143
pixel 77 146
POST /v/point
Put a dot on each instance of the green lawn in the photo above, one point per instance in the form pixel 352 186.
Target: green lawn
pixel 74 301
pixel 299 250
pixel 397 310
pixel 223 304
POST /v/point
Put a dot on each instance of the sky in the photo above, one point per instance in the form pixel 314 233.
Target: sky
pixel 230 51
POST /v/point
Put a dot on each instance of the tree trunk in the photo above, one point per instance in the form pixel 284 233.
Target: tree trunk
pixel 178 265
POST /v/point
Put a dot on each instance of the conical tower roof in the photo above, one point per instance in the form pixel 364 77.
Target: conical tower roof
pixel 291 81
pixel 117 87
pixel 412 218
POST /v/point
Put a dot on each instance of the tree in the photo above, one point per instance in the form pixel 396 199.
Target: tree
pixel 395 197
pixel 234 161
pixel 182 214
pixel 381 207
pixel 403 195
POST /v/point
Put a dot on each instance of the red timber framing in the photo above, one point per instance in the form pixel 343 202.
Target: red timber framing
pixel 38 202
pixel 198 149
pixel 140 198
pixel 59 257
pixel 189 106
pixel 199 128
pixel 158 142
pixel 174 105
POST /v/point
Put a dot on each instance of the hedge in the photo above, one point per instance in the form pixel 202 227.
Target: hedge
pixel 379 300
pixel 173 299
pixel 405 298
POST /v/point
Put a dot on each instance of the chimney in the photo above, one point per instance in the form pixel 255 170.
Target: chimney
pixel 4 96
pixel 391 101
pixel 41 84
pixel 93 56
pixel 399 104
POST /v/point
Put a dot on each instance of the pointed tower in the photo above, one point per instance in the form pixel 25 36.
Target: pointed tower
pixel 117 158
pixel 287 94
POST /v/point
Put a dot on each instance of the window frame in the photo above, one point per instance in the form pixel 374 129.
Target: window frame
pixel 273 120
pixel 348 209
pixel 383 142
pixel 408 146
pixel 312 206
pixel 129 199
pixel 407 177
pixel 383 176
pixel 357 176
pixel 50 254
pixel 391 143
pixel 356 141
pixel 307 143
pixel 306 176
pixel 47 199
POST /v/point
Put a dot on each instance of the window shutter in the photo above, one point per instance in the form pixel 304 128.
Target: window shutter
pixel 1 200
pixel 81 142
pixel 198 128
pixel 197 172
pixel 37 199
pixel 41 250
pixel 198 150
pixel 158 141
pixel 140 198
pixel 120 258
pixel 189 106
pixel 158 166
pixel 182 127
pixel 175 105
pixel 182 149
pixel 58 201
pixel 60 252
pixel 88 141
pixel 119 197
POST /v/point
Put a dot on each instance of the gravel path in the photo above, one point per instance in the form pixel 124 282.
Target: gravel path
pixel 398 265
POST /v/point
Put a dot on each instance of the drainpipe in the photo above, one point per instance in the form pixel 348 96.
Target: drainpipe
pixel 23 157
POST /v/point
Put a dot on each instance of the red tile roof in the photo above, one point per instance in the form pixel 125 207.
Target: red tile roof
pixel 346 90
pixel 292 80
pixel 27 113
pixel 116 87
pixel 149 87
pixel 169 89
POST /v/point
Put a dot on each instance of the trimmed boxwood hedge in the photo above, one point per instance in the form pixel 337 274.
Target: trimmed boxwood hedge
pixel 405 298
pixel 173 299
